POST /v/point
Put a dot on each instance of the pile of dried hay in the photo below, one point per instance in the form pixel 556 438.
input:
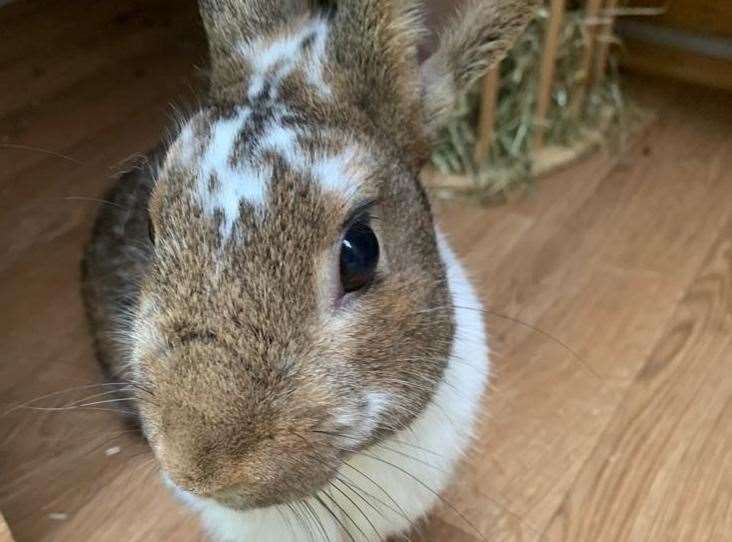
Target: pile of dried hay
pixel 508 165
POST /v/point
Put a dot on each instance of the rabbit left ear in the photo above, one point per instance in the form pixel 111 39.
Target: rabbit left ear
pixel 374 43
pixel 474 41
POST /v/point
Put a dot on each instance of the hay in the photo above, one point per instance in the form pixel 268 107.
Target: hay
pixel 508 165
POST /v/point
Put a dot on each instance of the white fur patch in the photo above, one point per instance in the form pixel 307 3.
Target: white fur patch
pixel 376 404
pixel 399 477
pixel 336 173
pixel 247 182
pixel 283 141
pixel 356 425
pixel 144 335
pixel 274 60
pixel 186 146
pixel 314 66
pixel 223 136
pixel 235 183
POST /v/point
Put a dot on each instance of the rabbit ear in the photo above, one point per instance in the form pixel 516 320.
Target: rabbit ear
pixel 372 51
pixel 374 44
pixel 232 23
pixel 475 40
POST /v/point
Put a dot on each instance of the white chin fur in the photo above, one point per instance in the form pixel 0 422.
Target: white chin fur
pixel 375 499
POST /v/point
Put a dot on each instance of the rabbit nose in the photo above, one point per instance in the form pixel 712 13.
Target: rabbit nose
pixel 198 487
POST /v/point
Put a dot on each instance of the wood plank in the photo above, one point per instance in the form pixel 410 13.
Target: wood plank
pixel 592 10
pixel 129 85
pixel 705 17
pixel 661 469
pixel 604 38
pixel 131 32
pixel 649 58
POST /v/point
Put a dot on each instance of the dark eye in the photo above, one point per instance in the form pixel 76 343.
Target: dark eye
pixel 359 257
pixel 151 230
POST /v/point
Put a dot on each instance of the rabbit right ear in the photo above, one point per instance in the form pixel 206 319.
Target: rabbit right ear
pixel 475 40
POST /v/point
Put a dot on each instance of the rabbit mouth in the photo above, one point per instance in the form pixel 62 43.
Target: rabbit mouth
pixel 235 499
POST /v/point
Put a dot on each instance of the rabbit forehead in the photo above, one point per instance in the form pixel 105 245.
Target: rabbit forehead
pixel 239 162
pixel 287 109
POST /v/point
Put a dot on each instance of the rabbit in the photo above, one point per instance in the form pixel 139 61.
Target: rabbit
pixel 303 351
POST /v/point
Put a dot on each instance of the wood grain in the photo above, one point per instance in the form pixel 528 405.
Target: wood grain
pixel 608 297
pixel 604 37
pixel 649 58
pixel 585 82
pixel 706 17
pixel 655 472
pixel 487 117
pixel 709 20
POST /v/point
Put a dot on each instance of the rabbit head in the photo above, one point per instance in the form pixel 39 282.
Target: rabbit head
pixel 295 310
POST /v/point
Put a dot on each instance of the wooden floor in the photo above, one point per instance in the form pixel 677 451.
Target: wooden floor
pixel 610 417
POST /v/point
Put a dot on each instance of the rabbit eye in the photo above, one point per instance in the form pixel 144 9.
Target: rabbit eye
pixel 359 257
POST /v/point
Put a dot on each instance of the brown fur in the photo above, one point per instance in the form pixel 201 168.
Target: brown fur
pixel 475 40
pixel 245 354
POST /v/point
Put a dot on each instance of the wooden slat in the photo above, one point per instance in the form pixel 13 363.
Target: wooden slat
pixel 592 10
pixel 546 76
pixel 486 123
pixel 605 35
